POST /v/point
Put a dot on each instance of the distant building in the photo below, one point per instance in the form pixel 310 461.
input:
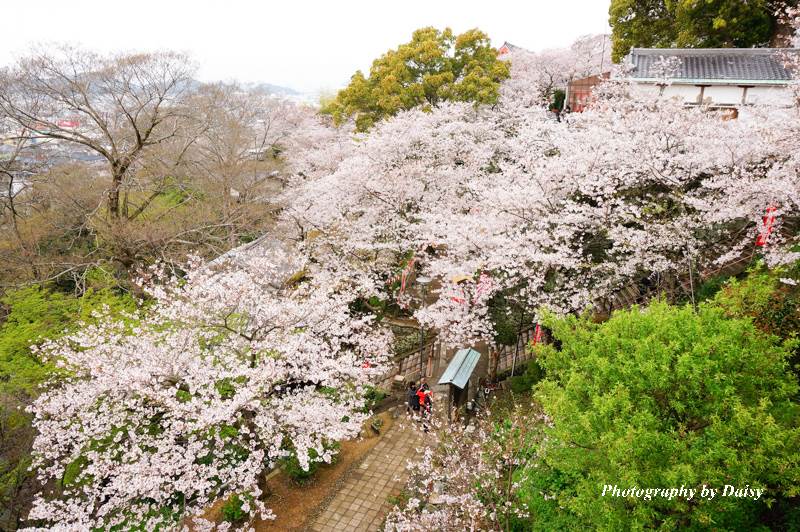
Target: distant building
pixel 69 123
pixel 507 48
pixel 579 91
pixel 718 77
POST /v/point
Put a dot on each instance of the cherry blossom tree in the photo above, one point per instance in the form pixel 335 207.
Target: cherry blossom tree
pixel 230 370
pixel 195 397
pixel 314 147
pixel 637 188
pixel 536 75
pixel 467 479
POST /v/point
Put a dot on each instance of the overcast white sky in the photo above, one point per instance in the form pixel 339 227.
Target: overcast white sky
pixel 306 45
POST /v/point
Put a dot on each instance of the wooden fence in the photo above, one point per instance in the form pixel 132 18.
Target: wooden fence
pixel 415 364
pixel 419 362
pixel 687 284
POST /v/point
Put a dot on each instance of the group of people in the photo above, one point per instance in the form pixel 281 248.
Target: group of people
pixel 419 401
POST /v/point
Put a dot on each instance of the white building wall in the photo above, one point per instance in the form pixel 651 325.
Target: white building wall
pixel 779 96
pixel 723 94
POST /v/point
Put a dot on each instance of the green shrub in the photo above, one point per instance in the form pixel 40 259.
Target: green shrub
pixel 663 397
pixel 405 340
pixel 291 465
pixel 559 96
pixel 232 511
pixel 524 383
pixel 373 397
pixel 773 305
pixel 711 287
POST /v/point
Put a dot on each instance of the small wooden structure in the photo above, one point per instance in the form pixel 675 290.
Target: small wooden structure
pixel 457 376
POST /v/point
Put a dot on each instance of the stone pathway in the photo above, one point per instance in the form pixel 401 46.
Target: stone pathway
pixel 363 502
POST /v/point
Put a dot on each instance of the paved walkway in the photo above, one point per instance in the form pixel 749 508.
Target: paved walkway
pixel 363 502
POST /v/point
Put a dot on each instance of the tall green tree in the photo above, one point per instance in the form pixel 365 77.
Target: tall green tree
pixel 693 23
pixel 640 24
pixel 665 397
pixel 435 66
pixel 723 23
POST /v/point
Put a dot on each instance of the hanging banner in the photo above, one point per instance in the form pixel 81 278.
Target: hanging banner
pixel 406 272
pixel 537 335
pixel 485 285
pixel 769 224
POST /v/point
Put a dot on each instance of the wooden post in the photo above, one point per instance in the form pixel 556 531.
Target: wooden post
pixel 494 358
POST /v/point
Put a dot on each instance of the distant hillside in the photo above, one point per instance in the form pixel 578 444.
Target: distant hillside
pixel 269 88
pixel 266 88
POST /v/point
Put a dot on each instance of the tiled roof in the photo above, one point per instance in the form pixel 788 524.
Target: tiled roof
pixel 714 64
pixel 511 47
pixel 508 47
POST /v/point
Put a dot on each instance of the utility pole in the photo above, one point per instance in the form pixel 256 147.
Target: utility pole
pixel 516 345
pixel 423 282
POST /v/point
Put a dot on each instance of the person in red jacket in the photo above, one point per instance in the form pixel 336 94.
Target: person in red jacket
pixel 425 403
pixel 421 398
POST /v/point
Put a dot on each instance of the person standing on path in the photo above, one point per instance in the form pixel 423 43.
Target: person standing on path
pixel 412 400
pixel 423 387
pixel 425 403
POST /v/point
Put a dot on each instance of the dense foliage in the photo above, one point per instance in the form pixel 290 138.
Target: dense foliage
pixel 656 397
pixel 34 314
pixel 664 397
pixel 531 374
pixel 435 66
pixel 770 297
pixel 692 24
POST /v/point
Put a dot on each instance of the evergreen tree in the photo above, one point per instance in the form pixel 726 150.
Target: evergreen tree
pixel 435 66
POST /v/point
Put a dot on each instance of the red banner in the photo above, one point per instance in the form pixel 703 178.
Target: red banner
pixel 769 224
pixel 537 335
pixel 485 284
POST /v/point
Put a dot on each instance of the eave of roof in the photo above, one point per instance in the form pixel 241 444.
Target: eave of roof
pixel 737 82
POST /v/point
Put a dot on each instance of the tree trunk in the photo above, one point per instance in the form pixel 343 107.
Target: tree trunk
pixel 113 193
